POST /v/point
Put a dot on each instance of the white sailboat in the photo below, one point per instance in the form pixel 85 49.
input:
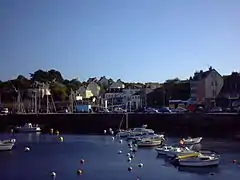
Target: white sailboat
pixel 28 127
pixel 7 145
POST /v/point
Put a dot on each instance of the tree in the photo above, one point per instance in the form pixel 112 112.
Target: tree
pixel 46 76
pixel 59 92
pixel 73 84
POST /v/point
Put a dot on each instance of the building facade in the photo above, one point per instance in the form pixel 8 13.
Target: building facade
pixel 94 88
pixel 205 87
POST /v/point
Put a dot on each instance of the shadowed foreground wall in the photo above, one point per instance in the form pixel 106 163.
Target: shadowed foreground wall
pixel 172 124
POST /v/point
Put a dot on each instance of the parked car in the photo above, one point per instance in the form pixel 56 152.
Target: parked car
pixel 119 110
pixel 4 111
pixel 165 110
pixel 179 110
pixel 104 110
pixel 151 110
pixel 216 110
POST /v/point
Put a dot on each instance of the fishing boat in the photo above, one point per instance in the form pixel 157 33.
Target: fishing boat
pixel 144 136
pixel 164 149
pixel 134 132
pixel 179 151
pixel 28 127
pixel 7 145
pixel 200 161
pixel 151 141
pixel 191 141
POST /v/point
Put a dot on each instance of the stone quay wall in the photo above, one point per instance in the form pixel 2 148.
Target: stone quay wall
pixel 211 125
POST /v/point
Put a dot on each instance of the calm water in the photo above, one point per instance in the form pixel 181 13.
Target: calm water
pixel 102 161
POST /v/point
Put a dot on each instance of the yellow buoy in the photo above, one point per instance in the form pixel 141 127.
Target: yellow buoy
pixel 79 172
pixel 60 139
pixel 57 132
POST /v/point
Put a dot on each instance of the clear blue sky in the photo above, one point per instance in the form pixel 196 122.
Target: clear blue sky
pixel 135 40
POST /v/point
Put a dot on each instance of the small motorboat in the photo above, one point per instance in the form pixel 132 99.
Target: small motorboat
pixel 164 149
pixel 156 140
pixel 180 151
pixel 28 127
pixel 200 161
pixel 7 145
pixel 191 141
pixel 145 136
pixel 134 132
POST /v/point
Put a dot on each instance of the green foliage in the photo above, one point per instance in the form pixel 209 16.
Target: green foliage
pixel 59 92
pixel 46 76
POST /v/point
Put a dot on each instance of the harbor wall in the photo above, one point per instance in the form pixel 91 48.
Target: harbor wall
pixel 211 125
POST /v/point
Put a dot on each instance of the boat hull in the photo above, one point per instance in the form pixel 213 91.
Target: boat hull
pixel 173 154
pixel 25 130
pixel 149 143
pixel 6 147
pixel 192 141
pixel 163 150
pixel 199 163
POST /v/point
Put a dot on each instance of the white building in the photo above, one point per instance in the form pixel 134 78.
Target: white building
pixel 127 98
pixel 94 88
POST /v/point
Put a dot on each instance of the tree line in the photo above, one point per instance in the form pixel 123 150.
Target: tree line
pixel 60 88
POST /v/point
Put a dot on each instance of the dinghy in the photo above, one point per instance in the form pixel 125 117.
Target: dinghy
pixel 7 145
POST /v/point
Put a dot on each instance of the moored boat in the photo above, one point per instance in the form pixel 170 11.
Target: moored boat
pixel 200 161
pixel 135 132
pixel 145 136
pixel 28 127
pixel 179 151
pixel 156 140
pixel 163 150
pixel 191 141
pixel 7 145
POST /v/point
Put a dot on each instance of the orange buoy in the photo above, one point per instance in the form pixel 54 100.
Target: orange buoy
pixel 181 142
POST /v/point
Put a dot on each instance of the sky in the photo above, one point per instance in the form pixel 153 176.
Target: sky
pixel 134 40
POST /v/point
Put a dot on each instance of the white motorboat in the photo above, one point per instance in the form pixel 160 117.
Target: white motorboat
pixel 164 149
pixel 151 141
pixel 179 151
pixel 200 161
pixel 134 132
pixel 7 145
pixel 145 136
pixel 28 127
pixel 191 141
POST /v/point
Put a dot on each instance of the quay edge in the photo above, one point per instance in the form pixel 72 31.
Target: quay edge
pixel 208 125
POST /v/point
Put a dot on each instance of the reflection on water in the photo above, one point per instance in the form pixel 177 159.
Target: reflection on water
pixel 199 170
pixel 35 135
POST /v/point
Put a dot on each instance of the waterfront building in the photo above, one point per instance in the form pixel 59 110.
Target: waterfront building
pixel 94 88
pixel 230 92
pixel 117 85
pixel 103 82
pixel 205 87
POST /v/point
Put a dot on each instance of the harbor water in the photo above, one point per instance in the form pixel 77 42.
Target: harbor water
pixel 102 160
